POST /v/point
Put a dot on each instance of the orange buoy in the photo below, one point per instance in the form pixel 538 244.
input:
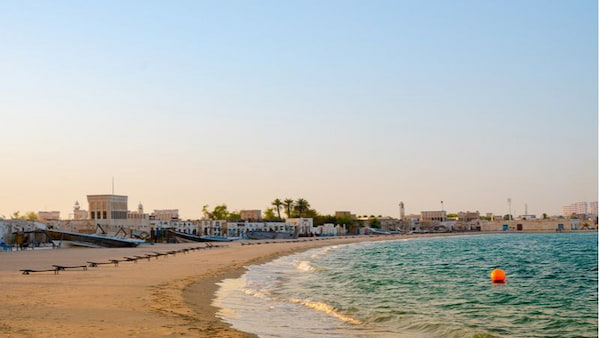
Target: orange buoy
pixel 498 276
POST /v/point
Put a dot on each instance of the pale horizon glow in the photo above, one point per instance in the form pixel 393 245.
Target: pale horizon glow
pixel 351 105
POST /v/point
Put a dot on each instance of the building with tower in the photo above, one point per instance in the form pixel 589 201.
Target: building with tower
pixel 78 213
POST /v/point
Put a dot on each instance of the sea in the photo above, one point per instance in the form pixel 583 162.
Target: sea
pixel 423 287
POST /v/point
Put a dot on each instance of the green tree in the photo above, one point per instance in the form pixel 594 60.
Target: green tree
pixel 219 212
pixel 269 214
pixel 233 216
pixel 545 216
pixel 277 203
pixel 302 205
pixel 288 203
pixel 374 223
pixel 31 216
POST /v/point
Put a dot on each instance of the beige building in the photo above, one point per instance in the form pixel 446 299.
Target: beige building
pixel 533 225
pixel 251 215
pixel 579 208
pixel 107 207
pixel 165 214
pixel 79 214
pixel 468 216
pixel 139 214
pixel 45 216
pixel 429 216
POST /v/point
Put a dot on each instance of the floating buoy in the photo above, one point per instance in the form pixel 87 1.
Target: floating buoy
pixel 498 276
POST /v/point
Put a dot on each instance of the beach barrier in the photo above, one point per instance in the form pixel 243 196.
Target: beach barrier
pixel 73 267
pixel 115 262
pixel 29 271
pixel 96 264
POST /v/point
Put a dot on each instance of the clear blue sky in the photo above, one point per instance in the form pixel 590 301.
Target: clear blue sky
pixel 352 105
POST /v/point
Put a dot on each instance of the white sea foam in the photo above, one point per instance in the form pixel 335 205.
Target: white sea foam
pixel 304 266
pixel 325 308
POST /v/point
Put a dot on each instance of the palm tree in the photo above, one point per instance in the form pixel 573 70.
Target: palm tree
pixel 277 204
pixel 288 203
pixel 302 205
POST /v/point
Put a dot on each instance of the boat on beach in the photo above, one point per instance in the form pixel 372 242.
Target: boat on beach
pixel 270 235
pixel 189 238
pixel 59 237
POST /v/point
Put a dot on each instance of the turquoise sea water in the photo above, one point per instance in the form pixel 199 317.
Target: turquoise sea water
pixel 424 287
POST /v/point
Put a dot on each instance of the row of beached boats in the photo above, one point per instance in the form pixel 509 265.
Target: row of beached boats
pixel 102 240
pixel 68 238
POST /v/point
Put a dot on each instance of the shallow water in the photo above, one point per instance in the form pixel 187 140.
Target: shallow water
pixel 423 287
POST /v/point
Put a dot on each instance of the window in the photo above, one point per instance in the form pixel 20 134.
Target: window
pixel 104 215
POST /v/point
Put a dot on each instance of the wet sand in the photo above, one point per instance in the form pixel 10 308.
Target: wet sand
pixel 160 297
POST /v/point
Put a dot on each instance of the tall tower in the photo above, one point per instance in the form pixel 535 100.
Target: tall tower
pixel 402 210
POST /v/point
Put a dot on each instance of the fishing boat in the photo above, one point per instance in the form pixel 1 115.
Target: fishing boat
pixel 270 235
pixel 69 238
pixel 183 237
pixel 382 232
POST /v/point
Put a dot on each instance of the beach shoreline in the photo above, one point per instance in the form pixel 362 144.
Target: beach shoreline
pixel 155 297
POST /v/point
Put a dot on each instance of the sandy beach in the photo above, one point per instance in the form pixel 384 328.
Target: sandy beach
pixel 161 296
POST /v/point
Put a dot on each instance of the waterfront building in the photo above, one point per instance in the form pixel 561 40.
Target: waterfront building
pixel 187 226
pixel 210 227
pixel 304 226
pixel 240 229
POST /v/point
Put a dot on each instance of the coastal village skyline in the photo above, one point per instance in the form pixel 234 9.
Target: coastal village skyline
pixel 348 105
pixel 78 212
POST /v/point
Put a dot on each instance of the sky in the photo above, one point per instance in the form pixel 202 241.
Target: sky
pixel 351 105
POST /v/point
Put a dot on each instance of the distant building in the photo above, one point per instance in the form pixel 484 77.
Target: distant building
pixel 468 216
pixel 107 207
pixel 165 214
pixel 402 211
pixel 429 216
pixel 251 215
pixel 44 216
pixel 304 226
pixel 344 214
pixel 594 208
pixel 79 214
pixel 579 208
pixel 139 214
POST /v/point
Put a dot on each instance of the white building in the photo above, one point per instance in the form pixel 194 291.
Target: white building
pixel 188 226
pixel 304 225
pixel 210 227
